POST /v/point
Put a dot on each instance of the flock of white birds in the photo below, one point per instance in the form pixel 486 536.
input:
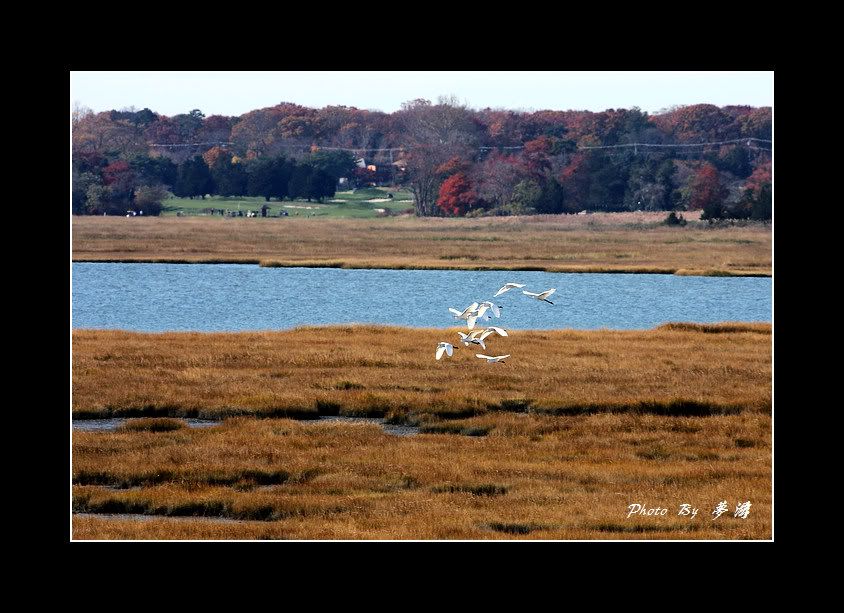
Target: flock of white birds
pixel 476 311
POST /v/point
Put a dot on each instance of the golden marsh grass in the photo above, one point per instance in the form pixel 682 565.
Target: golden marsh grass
pixel 608 242
pixel 532 477
pixel 391 371
pixel 554 444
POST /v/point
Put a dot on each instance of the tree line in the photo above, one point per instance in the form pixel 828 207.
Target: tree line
pixel 456 161
pixel 142 182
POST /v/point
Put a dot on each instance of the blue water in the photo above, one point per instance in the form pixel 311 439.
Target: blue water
pixel 233 297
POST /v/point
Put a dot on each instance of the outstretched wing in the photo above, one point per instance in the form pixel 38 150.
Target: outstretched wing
pixel 497 330
pixel 495 310
pixel 440 351
pixel 482 343
pixel 471 321
pixel 501 357
pixel 469 309
pixel 527 293
pixel 507 287
pixel 449 349
pixel 485 357
pixel 463 336
pixel 547 293
pixel 455 311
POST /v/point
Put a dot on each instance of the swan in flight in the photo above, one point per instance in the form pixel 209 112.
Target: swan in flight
pixel 491 359
pixel 466 312
pixel 444 348
pixel 491 330
pixel 469 339
pixel 507 287
pixel 496 310
pixel 543 296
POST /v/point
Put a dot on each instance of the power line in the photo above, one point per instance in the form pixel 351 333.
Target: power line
pixel 190 144
pixel 723 142
pixel 749 141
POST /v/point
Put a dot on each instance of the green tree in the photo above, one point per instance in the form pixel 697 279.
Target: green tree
pixel 230 179
pixel 154 170
pixel 335 163
pixel 762 207
pixel 526 195
pixel 297 186
pixel 552 198
pixel 194 179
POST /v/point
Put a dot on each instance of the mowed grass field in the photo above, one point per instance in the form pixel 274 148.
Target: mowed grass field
pixel 554 444
pixel 365 203
pixel 608 242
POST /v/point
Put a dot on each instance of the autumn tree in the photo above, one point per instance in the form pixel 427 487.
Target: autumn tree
pixel 707 192
pixel 121 181
pixel 496 177
pixel 457 195
pixel 434 134
pixel 758 191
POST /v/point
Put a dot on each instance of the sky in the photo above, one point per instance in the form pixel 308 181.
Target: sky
pixel 237 92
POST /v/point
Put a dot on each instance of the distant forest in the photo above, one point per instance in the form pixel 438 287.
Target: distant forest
pixel 455 160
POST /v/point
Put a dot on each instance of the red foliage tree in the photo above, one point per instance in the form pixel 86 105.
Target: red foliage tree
pixel 116 172
pixel 215 153
pixel 760 177
pixel 698 123
pixel 575 181
pixel 457 195
pixel 707 193
pixel 453 166
pixel 536 155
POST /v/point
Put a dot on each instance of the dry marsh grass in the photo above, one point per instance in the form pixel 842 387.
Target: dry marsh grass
pixel 676 369
pixel 533 477
pixel 574 428
pixel 608 242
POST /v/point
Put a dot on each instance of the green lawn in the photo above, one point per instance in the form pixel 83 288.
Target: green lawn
pixel 349 204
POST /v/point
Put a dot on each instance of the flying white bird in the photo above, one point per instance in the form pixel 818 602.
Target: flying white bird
pixel 507 287
pixel 491 359
pixel 543 296
pixel 465 313
pixel 444 348
pixel 492 329
pixel 469 339
pixel 496 310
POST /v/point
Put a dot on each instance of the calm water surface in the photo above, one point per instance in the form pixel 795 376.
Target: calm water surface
pixel 234 297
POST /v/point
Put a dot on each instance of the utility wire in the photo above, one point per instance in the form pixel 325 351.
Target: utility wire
pixel 749 142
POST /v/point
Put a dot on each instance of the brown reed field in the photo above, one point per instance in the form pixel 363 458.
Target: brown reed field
pixel 554 444
pixel 600 242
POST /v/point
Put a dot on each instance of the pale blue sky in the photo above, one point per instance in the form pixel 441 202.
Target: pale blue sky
pixel 234 93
